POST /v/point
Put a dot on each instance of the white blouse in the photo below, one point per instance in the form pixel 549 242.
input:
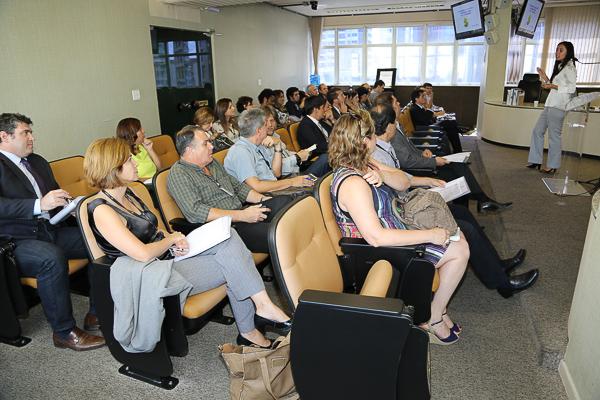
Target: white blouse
pixel 566 81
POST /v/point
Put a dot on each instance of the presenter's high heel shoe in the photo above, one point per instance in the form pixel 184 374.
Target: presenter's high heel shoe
pixel 533 166
pixel 549 171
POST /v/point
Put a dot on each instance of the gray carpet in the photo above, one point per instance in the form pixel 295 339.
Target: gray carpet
pixel 508 349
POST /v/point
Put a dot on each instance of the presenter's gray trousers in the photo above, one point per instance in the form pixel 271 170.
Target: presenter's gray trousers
pixel 552 120
pixel 230 263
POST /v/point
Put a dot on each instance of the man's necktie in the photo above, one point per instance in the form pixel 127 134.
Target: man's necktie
pixel 38 179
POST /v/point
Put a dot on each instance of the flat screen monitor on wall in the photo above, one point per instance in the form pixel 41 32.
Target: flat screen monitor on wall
pixel 468 19
pixel 529 18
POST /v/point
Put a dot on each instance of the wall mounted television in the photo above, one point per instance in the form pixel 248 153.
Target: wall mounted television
pixel 468 19
pixel 529 18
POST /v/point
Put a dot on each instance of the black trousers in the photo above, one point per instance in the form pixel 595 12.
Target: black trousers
pixel 255 235
pixel 454 170
pixel 484 259
pixel 451 129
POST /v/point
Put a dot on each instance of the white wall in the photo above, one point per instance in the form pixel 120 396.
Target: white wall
pixel 258 42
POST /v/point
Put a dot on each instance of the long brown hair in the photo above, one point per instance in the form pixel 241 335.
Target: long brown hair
pixel 347 147
pixel 127 129
pixel 220 110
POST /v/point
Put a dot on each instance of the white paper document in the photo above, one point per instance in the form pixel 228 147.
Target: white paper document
pixel 453 189
pixel 66 211
pixel 458 157
pixel 207 236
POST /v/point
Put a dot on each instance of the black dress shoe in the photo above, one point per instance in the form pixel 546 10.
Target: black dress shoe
pixel 519 282
pixel 242 341
pixel 492 205
pixel 514 261
pixel 282 328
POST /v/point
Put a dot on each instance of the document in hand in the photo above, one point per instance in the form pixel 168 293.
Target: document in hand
pixel 64 213
pixel 453 189
pixel 458 157
pixel 207 236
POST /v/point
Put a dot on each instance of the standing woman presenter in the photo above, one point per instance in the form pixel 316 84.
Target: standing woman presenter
pixel 562 88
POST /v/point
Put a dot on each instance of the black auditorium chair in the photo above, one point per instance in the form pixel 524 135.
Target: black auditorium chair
pixel 415 278
pixel 532 87
pixel 343 346
pixel 153 367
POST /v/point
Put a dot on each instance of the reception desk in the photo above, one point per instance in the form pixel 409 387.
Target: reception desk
pixel 512 125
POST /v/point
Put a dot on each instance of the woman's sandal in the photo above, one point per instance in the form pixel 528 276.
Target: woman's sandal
pixel 435 339
pixel 456 328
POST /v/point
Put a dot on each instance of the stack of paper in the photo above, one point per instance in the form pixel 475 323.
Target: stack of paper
pixel 453 189
pixel 207 236
pixel 458 157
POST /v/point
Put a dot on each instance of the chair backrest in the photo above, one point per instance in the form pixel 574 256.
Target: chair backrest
pixel 531 86
pixel 285 138
pixel 301 253
pixel 294 136
pixel 323 196
pixel 168 206
pixel 69 175
pixel 91 244
pixel 220 156
pixel 165 149
pixel 406 122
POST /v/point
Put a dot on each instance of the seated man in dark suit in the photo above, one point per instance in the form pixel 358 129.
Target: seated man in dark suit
pixel 422 116
pixel 311 129
pixel 293 104
pixel 337 99
pixel 29 196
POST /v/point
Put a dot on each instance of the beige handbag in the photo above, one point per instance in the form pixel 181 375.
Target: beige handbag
pixel 424 209
pixel 260 374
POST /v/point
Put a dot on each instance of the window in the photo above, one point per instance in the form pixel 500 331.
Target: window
pixel 524 54
pixel 421 52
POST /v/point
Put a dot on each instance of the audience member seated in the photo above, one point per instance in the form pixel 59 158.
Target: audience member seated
pixel 225 123
pixel 148 162
pixel 248 164
pixel 293 104
pixel 337 99
pixel 311 90
pixel 412 158
pixel 311 130
pixel 363 98
pixel 288 162
pixel 244 103
pixel 281 116
pixel 422 116
pixel 204 118
pixel 362 192
pixel 352 101
pixel 376 90
pixel 437 111
pixel 30 196
pixel 493 272
pixel 323 89
pixel 124 226
pixel 204 191
pixel 266 97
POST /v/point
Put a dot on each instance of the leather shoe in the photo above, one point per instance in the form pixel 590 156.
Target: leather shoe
pixel 514 261
pixel 492 205
pixel 242 341
pixel 283 328
pixel 91 323
pixel 519 282
pixel 78 340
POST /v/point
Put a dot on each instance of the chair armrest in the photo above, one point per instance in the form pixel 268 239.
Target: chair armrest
pixel 103 262
pixel 425 138
pixel 421 172
pixel 183 225
pixel 378 280
pixel 360 246
pixel 429 132
pixel 427 127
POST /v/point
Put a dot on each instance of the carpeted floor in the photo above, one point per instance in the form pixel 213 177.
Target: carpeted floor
pixel 508 350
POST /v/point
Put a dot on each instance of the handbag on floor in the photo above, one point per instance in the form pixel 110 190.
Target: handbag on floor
pixel 424 209
pixel 260 374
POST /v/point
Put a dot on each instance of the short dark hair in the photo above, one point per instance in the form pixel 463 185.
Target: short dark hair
pixel 415 94
pixel 290 92
pixel 427 84
pixel 379 82
pixel 382 116
pixel 9 121
pixel 185 137
pixel 361 91
pixel 313 102
pixel 384 98
pixel 265 94
pixel 332 94
pixel 242 102
pixel 277 92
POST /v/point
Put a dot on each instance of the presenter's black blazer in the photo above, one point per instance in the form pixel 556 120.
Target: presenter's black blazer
pixel 17 197
pixel 309 134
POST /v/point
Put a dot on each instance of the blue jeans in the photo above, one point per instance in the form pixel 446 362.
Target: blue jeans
pixel 319 167
pixel 46 259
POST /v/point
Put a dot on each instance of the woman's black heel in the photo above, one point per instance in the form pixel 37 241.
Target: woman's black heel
pixel 282 328
pixel 533 165
pixel 549 171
